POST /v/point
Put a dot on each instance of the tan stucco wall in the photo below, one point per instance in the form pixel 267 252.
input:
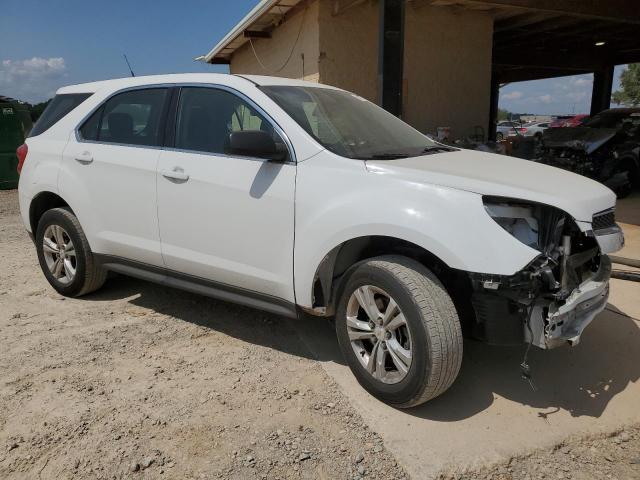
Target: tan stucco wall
pixel 273 52
pixel 447 68
pixel 447 59
pixel 349 47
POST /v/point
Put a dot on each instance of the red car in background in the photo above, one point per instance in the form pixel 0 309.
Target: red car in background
pixel 569 120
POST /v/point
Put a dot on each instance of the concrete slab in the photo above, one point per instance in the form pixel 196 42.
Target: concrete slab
pixel 491 414
pixel 628 209
pixel 628 217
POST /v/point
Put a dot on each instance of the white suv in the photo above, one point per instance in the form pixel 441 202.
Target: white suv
pixel 296 197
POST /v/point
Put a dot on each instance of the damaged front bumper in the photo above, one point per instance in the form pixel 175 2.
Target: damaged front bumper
pixel 553 324
pixel 543 306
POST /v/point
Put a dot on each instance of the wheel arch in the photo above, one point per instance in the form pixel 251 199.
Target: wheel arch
pixel 41 202
pixel 330 273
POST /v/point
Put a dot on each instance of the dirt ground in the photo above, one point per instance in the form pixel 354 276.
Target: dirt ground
pixel 141 381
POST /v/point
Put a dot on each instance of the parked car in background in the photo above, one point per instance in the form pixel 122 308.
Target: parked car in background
pixel 506 128
pixel 291 196
pixel 569 120
pixel 15 124
pixel 606 148
pixel 534 129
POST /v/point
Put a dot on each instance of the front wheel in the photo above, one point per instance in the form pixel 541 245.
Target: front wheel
pixel 399 331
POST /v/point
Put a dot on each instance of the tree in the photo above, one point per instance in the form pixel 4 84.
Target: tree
pixel 629 93
pixel 503 114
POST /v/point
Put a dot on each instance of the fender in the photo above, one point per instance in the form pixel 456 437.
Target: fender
pixel 338 200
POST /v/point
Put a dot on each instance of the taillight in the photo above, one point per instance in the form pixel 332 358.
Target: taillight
pixel 522 130
pixel 21 152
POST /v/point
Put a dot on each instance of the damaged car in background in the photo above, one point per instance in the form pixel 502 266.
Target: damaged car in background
pixel 605 148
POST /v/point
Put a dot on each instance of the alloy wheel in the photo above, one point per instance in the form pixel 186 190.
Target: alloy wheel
pixel 59 254
pixel 379 334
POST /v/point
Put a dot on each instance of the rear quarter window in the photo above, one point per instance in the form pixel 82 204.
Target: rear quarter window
pixel 57 109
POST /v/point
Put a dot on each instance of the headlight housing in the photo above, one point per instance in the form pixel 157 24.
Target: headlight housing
pixel 536 225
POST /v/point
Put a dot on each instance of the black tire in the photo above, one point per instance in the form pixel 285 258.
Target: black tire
pixel 499 137
pixel 89 276
pixel 436 334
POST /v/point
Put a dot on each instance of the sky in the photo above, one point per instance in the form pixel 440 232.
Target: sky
pixel 46 44
pixel 553 95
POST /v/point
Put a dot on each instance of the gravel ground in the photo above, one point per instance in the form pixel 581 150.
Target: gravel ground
pixel 141 381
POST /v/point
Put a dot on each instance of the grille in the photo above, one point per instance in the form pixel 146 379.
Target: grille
pixel 602 220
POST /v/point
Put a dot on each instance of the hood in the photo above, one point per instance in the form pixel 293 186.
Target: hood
pixel 579 138
pixel 499 175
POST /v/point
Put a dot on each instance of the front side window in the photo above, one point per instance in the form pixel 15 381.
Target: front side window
pixel 131 118
pixel 207 116
pixel 349 125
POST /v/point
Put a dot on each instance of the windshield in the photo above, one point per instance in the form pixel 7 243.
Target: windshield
pixel 349 125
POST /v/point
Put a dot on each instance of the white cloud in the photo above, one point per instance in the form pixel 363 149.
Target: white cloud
pixel 515 95
pixel 582 81
pixel 34 79
pixel 546 98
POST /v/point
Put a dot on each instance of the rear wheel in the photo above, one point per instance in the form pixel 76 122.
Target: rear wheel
pixel 64 254
pixel 399 331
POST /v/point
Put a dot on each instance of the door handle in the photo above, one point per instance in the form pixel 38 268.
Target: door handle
pixel 85 158
pixel 176 174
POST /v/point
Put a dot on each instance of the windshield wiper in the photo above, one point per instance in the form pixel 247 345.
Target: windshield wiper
pixel 393 156
pixel 436 148
pixel 383 156
pixel 388 156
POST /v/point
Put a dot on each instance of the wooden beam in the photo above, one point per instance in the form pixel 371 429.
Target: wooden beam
pixel 525 19
pixel 624 11
pixel 256 34
pixel 579 61
pixel 539 29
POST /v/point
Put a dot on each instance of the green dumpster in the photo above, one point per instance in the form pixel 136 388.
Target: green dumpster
pixel 15 124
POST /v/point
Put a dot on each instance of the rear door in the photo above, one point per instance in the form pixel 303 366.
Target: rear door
pixel 224 218
pixel 111 165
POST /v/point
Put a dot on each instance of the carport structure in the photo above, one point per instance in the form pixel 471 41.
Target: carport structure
pixel 435 62
pixel 537 39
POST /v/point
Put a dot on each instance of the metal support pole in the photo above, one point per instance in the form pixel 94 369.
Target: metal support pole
pixel 602 86
pixel 493 108
pixel 390 55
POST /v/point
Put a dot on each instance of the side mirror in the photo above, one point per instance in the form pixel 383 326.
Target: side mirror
pixel 255 143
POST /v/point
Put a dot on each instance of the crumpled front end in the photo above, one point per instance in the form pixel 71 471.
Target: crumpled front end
pixel 552 300
pixel 555 323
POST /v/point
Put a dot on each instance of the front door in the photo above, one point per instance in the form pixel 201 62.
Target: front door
pixel 227 219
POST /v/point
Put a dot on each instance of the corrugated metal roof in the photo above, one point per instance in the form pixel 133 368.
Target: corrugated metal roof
pixel 263 18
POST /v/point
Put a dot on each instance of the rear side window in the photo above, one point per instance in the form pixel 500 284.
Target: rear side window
pixel 131 118
pixel 56 110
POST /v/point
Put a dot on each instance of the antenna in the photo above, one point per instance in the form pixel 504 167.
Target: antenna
pixel 128 65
